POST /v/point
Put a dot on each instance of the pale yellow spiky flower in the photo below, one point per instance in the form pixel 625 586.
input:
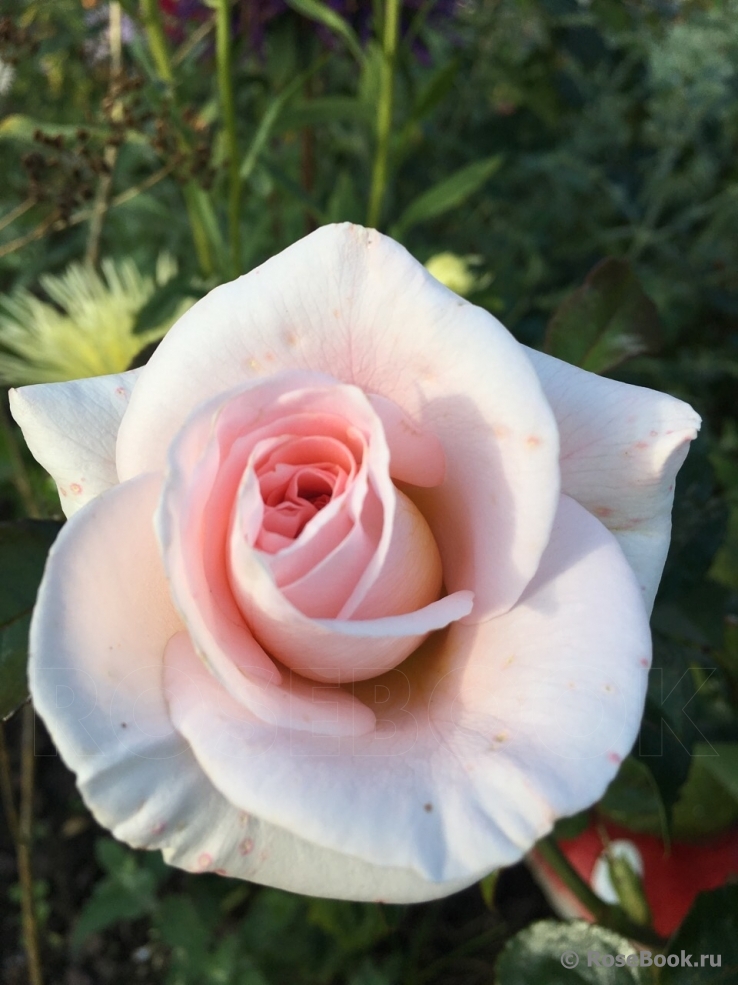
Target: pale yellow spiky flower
pixel 458 273
pixel 88 331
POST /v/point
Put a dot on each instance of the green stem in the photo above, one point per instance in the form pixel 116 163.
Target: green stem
pixel 197 228
pixel 24 849
pixel 228 108
pixel 384 110
pixel 151 17
pixel 603 913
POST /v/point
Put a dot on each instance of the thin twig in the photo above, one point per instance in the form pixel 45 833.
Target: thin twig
pixel 105 184
pixel 40 230
pixel 18 211
pixel 24 844
pixel 194 39
pixel 6 787
pixel 53 223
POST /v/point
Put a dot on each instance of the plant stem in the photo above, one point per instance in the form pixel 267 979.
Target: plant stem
pixel 151 17
pixel 36 233
pixel 105 185
pixel 228 108
pixel 603 913
pixel 24 843
pixel 384 110
pixel 6 787
pixel 17 212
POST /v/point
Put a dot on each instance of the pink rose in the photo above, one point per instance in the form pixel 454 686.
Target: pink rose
pixel 353 600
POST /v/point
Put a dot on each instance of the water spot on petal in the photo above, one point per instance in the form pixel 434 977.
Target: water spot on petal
pixel 603 511
pixel 615 758
pixel 246 846
pixel 533 441
pixel 76 488
pixel 644 662
pixel 641 445
pixel 428 807
pixel 204 861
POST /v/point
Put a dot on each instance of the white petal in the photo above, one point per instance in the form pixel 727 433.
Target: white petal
pixel 101 624
pixel 72 429
pixel 484 737
pixel 621 448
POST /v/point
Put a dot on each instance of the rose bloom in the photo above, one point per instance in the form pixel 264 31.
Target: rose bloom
pixel 353 598
pixel 671 877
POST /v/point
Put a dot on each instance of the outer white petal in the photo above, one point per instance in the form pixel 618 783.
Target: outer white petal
pixel 621 448
pixel 484 736
pixel 100 628
pixel 72 429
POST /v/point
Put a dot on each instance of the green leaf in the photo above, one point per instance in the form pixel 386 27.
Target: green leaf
pixel 702 807
pixel 127 892
pixel 13 661
pixel 446 194
pixel 710 928
pixel 18 126
pixel 270 117
pixel 437 88
pixel 604 322
pixel 723 767
pixel 24 546
pixel 534 956
pixel 571 827
pixel 323 14
pixel 180 926
pixel 162 306
pixel 322 110
pixel 633 800
pixel 487 888
pixel 284 180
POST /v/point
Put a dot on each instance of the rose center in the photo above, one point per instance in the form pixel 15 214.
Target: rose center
pixel 298 476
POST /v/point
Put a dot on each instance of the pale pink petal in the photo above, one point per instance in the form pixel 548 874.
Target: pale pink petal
pixel 198 538
pixel 621 448
pixel 352 303
pixel 101 625
pixel 484 737
pixel 72 429
pixel 416 456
